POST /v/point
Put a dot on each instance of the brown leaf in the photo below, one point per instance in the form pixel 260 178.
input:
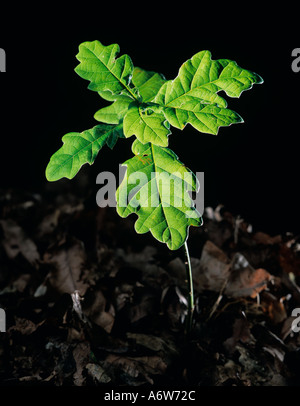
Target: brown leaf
pixel 266 239
pixel 142 368
pixel 240 332
pixel 22 282
pixel 152 342
pixel 144 307
pixel 213 270
pixel 16 242
pixel 247 282
pixel 24 326
pixel 67 261
pixel 236 278
pixel 174 306
pixel 48 223
pixel 96 311
pixel 289 259
pixel 273 307
pixel 81 355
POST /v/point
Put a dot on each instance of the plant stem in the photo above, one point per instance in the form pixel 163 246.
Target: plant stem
pixel 189 280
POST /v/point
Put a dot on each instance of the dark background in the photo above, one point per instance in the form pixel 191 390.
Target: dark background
pixel 252 168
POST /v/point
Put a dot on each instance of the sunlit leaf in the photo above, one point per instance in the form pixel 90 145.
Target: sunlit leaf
pixel 146 125
pixel 156 187
pixel 79 149
pixel 147 83
pixel 99 65
pixel 192 97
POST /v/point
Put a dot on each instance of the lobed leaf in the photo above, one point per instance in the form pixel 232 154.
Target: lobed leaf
pixel 161 198
pixel 146 125
pixel 79 149
pixel 99 65
pixel 205 118
pixel 114 113
pixel 192 97
pixel 147 83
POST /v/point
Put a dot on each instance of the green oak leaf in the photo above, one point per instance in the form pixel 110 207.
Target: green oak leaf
pixel 156 187
pixel 146 125
pixel 109 96
pixel 81 148
pixel 147 83
pixel 99 65
pixel 205 118
pixel 114 113
pixel 192 97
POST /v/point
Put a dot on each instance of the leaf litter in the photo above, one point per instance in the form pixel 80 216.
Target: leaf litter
pixel 88 302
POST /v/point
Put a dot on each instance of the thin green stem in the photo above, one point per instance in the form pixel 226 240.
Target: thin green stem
pixel 189 281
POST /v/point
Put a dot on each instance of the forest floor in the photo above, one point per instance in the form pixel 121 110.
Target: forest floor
pixel 89 302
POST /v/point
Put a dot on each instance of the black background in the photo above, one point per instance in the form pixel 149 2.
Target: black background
pixel 252 168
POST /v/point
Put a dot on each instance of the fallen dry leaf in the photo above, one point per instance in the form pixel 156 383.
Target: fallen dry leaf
pixel 48 223
pixel 96 311
pixel 144 368
pixel 240 332
pixel 234 278
pixel 289 259
pixel 24 326
pixel 16 242
pixel 213 270
pixel 81 354
pixel 67 261
pixel 157 344
pixel 133 300
pixel 266 239
pixel 247 282
pixel 273 307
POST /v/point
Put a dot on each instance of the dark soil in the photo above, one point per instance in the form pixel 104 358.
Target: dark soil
pixel 89 302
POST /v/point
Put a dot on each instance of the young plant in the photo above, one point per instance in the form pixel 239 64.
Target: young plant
pixel 145 105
